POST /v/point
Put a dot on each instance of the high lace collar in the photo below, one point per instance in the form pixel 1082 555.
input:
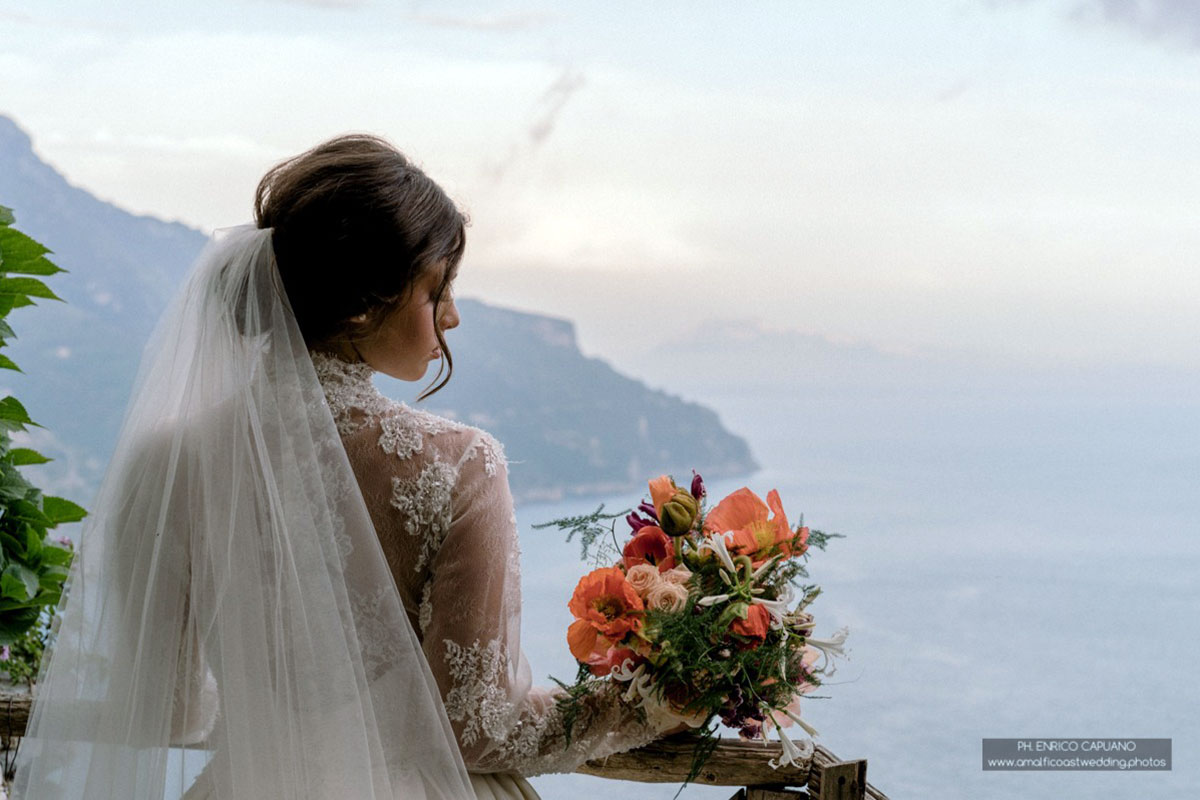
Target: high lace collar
pixel 348 385
pixel 333 368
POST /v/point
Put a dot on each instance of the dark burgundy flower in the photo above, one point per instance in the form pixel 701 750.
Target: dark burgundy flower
pixel 636 522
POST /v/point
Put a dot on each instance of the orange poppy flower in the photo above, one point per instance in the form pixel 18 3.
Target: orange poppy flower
pixel 755 625
pixel 606 608
pixel 650 545
pixel 755 532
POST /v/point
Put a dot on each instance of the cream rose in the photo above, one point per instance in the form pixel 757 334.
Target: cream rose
pixel 679 575
pixel 643 578
pixel 667 597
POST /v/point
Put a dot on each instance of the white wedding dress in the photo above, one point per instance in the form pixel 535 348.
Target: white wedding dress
pixel 437 491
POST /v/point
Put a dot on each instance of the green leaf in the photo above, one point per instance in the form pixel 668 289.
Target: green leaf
pixel 12 411
pixel 56 556
pixel 33 545
pixel 24 457
pixel 12 544
pixel 59 510
pixel 43 598
pixel 52 577
pixel 18 582
pixel 25 287
pixel 6 332
pixel 28 512
pixel 14 624
pixel 6 216
pixel 8 363
pixel 22 255
pixel 13 485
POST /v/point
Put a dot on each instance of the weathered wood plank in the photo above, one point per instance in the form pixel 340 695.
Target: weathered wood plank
pixel 759 793
pixel 844 781
pixel 14 714
pixel 734 762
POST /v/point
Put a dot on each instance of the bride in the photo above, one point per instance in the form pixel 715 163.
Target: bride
pixel 291 586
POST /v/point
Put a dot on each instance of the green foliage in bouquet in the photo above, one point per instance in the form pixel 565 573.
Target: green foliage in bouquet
pixel 33 565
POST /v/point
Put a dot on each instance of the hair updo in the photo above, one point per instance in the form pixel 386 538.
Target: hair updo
pixel 355 225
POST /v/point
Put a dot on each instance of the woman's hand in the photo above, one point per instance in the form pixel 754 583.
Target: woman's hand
pixel 680 728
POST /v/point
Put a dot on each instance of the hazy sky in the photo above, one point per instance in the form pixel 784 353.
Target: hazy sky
pixel 1013 178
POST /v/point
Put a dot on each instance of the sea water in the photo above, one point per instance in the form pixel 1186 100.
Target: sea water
pixel 1022 566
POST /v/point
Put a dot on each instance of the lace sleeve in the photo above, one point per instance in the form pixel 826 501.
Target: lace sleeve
pixel 472 627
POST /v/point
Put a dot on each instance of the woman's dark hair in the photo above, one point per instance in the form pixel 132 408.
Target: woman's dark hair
pixel 355 225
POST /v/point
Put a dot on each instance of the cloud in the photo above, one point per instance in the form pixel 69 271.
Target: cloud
pixel 62 23
pixel 1153 19
pixel 552 102
pixel 333 4
pixel 1150 19
pixel 501 23
pixel 546 113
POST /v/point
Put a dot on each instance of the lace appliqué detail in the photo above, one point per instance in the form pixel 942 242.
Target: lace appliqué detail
pixel 377 622
pixel 478 699
pixel 425 504
pixel 425 609
pixel 399 438
pixel 493 452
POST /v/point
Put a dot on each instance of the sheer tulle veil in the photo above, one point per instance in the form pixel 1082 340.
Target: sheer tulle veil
pixel 230 610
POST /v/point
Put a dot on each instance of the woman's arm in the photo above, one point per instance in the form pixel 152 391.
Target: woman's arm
pixel 472 628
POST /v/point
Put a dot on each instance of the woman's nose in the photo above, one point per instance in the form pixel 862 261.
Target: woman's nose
pixel 450 317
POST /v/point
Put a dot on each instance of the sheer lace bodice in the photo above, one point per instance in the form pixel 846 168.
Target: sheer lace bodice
pixel 437 491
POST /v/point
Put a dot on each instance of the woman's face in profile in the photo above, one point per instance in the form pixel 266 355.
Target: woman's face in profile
pixel 406 341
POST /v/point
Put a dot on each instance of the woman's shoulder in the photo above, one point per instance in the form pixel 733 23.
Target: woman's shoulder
pixel 467 442
pixel 360 409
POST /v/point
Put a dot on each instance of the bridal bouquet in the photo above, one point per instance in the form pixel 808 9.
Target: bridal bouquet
pixel 701 613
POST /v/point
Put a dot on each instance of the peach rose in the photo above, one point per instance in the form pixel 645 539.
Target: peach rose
pixel 643 578
pixel 667 596
pixel 679 575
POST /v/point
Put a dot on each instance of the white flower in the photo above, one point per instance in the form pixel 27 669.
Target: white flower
pixel 712 599
pixel 834 646
pixel 716 543
pixel 766 566
pixel 809 729
pixel 624 674
pixel 791 753
pixel 777 608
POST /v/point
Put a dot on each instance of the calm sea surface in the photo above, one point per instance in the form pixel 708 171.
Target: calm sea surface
pixel 1014 567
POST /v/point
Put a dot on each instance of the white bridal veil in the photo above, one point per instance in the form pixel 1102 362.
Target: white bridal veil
pixel 230 607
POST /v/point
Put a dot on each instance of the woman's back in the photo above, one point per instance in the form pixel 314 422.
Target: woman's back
pixel 437 491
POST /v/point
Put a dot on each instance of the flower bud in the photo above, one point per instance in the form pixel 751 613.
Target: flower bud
pixel 679 513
